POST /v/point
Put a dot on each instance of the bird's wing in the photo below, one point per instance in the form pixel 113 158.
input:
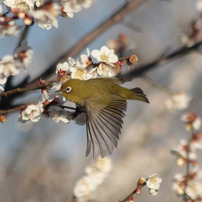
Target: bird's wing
pixel 104 125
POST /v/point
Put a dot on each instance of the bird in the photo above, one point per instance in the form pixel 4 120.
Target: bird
pixel 104 102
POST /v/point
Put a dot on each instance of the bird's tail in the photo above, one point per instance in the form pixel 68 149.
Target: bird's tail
pixel 139 95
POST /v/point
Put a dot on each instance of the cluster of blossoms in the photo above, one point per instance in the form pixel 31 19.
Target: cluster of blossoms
pixel 45 13
pixel 189 186
pixel 95 174
pixel 84 68
pixel 10 65
pixel 107 66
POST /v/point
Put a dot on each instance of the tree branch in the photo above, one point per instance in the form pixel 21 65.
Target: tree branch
pixel 160 61
pixel 88 38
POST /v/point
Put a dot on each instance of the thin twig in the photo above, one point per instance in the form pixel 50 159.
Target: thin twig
pixel 8 111
pixel 161 60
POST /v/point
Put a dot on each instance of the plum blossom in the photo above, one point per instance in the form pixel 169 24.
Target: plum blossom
pixel 78 70
pixel 96 173
pixel 8 67
pixel 58 114
pixel 192 121
pixel 106 70
pixel 178 101
pixel 153 183
pixel 74 6
pixel 47 15
pixel 31 113
pixel 62 67
pixel 105 55
pixel 24 57
pixel 194 190
pixel 8 27
pixel 22 5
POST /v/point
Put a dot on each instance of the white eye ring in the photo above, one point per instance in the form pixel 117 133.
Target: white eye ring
pixel 68 89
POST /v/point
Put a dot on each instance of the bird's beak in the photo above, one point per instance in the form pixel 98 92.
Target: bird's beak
pixel 57 93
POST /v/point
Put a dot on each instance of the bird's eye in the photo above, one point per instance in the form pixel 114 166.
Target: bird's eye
pixel 68 89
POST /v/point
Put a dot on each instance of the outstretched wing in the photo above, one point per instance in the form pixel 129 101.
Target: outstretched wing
pixel 104 126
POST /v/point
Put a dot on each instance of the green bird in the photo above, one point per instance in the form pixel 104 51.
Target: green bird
pixel 104 103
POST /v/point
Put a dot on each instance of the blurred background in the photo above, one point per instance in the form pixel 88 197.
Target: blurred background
pixel 43 161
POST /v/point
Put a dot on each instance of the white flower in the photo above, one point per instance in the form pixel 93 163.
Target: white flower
pixel 32 112
pixel 84 189
pixel 106 70
pixel 8 27
pixel 24 57
pixel 71 7
pixel 103 165
pixel 105 55
pixel 39 3
pixel 62 67
pixel 49 94
pixel 192 121
pixel 27 57
pixel 197 123
pixel 58 114
pixel 78 71
pixel 47 16
pixel 22 5
pixel 83 60
pixel 194 190
pixel 1 10
pixel 95 175
pixel 199 5
pixel 8 67
pixel 153 192
pixel 178 189
pixel 153 182
pixel 178 101
pixel 68 10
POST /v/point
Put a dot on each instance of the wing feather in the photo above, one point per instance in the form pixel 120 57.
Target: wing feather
pixel 104 126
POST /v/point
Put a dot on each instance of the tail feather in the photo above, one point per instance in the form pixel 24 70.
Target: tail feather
pixel 139 95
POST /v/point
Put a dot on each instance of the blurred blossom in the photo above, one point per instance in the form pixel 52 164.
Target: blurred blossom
pixel 74 6
pixel 8 67
pixel 58 114
pixel 47 15
pixel 192 121
pixel 196 141
pixel 96 173
pixel 181 153
pixel 32 112
pixel 178 189
pixel 22 5
pixel 105 55
pixel 194 190
pixel 199 5
pixel 102 165
pixel 1 10
pixel 178 101
pixel 8 27
pixel 24 57
pixel 67 11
